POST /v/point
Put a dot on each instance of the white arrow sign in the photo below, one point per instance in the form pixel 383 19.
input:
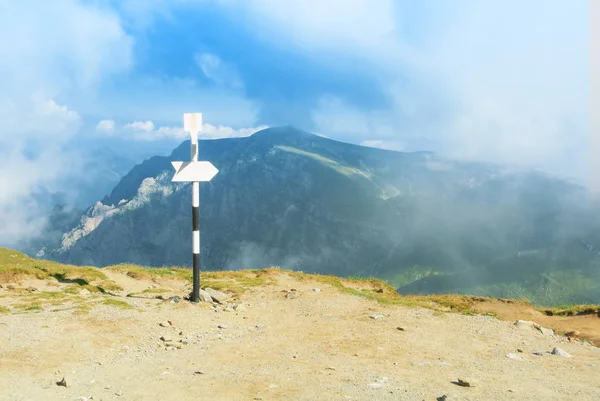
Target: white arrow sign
pixel 193 171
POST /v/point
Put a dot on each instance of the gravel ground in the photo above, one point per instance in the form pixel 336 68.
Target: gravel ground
pixel 311 345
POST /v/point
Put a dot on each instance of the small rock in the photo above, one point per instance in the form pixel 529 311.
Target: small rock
pixel 222 326
pixel 400 328
pixel 175 299
pixel 205 297
pixel 330 368
pixel 119 393
pixel 166 338
pixel 538 353
pixel 573 333
pixel 375 385
pixel 239 307
pixel 560 352
pixel 164 324
pixel 258 398
pixel 292 295
pixel 379 291
pixel 84 292
pixel 526 324
pixel 10 287
pixel 228 309
pixel 467 382
pixel 545 331
pixel 31 289
pixel 170 323
pixel 376 316
pixel 519 350
pixel 316 290
pixel 217 296
pixel 62 383
pixel 514 356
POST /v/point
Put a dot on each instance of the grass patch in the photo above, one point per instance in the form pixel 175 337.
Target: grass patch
pixel 16 266
pixel 155 290
pixel 379 291
pixel 117 304
pixel 571 310
pixel 28 307
pixel 152 273
pixel 50 295
pixel 236 282
pixel 4 310
pixel 337 166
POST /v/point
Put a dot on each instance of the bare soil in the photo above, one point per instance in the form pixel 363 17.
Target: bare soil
pixel 308 345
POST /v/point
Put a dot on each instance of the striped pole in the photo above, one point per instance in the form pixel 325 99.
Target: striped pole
pixel 193 124
pixel 194 172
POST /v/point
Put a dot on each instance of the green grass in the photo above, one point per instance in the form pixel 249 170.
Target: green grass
pixel 571 310
pixel 340 168
pixel 155 291
pixel 379 291
pixel 16 267
pixel 117 304
pixel 49 295
pixel 152 273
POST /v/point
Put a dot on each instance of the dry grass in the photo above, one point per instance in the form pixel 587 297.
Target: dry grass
pixel 571 310
pixel 117 303
pixel 16 267
pixel 236 282
pixel 152 273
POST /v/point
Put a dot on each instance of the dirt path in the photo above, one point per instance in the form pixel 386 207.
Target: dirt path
pixel 587 325
pixel 282 344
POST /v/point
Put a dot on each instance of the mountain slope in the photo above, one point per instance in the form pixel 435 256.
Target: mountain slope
pixel 288 198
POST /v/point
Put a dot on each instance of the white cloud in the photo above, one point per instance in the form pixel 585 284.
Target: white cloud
pixel 212 132
pixel 216 70
pixel 366 26
pixel 59 48
pixel 375 143
pixel 106 126
pixel 148 131
pixel 594 154
pixel 484 82
pixel 145 126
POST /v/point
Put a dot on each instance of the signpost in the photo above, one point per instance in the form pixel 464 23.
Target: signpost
pixel 194 172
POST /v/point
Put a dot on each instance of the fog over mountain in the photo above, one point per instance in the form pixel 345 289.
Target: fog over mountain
pixel 421 221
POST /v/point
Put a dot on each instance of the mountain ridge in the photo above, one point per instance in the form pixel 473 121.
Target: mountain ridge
pixel 297 200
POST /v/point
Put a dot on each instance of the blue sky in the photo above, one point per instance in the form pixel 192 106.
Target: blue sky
pixel 497 80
